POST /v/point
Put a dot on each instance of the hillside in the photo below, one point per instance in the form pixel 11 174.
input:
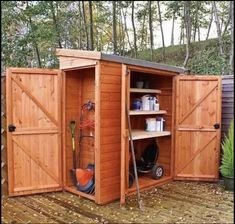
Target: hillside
pixel 204 57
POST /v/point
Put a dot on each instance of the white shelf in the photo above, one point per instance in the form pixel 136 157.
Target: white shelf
pixel 136 90
pixel 146 112
pixel 141 134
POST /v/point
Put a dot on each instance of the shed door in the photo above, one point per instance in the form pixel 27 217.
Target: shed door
pixel 34 130
pixel 197 136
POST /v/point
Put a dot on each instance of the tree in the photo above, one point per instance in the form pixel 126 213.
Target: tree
pixel 188 29
pixel 85 25
pixel 160 21
pixel 55 22
pixel 218 28
pixel 174 11
pixel 114 28
pixel 91 27
pixel 33 36
pixel 133 25
pixel 126 30
pixel 210 23
pixel 150 29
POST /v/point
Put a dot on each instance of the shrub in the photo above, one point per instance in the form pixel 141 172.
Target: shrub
pixel 227 163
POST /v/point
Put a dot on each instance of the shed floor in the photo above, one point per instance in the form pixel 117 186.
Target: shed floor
pixel 176 202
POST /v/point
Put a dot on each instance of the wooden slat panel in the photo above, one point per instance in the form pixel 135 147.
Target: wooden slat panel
pixel 34 150
pixel 197 142
pixel 110 123
pixel 227 102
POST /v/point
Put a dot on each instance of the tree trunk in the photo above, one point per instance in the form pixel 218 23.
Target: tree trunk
pixel 218 28
pixel 209 28
pixel 114 28
pixel 91 27
pixel 80 25
pixel 85 25
pixel 133 25
pixel 227 23
pixel 181 32
pixel 142 33
pixel 199 33
pixel 188 30
pixel 196 22
pixel 34 41
pixel 231 61
pixel 151 30
pixel 127 34
pixel 172 30
pixel 160 21
pixel 55 24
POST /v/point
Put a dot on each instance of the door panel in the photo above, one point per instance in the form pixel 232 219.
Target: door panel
pixel 197 142
pixel 34 148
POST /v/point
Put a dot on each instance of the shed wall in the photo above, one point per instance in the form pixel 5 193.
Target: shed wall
pixel 110 131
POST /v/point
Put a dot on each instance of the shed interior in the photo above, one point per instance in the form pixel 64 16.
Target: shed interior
pixel 161 87
pixel 79 89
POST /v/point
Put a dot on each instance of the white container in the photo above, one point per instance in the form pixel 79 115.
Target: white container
pixel 158 125
pixel 150 124
pixel 146 102
pixel 156 107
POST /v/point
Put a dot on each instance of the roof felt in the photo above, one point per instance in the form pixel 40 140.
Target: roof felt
pixel 119 59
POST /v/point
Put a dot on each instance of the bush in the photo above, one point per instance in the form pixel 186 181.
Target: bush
pixel 208 61
pixel 227 163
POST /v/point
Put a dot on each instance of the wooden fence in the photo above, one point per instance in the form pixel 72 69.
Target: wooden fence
pixel 3 138
pixel 227 115
pixel 227 102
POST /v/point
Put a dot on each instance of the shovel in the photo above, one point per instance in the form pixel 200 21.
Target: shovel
pixel 73 170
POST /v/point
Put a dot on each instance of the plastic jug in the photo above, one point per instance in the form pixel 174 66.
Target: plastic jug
pixel 146 102
pixel 150 124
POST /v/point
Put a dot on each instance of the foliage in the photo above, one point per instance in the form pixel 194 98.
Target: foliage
pixel 208 61
pixel 32 30
pixel 227 163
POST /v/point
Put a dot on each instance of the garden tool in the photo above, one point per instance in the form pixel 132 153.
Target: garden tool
pixel 73 170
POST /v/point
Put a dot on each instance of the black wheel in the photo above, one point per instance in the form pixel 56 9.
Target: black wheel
pixel 157 172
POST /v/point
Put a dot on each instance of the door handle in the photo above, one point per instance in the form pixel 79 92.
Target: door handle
pixel 216 125
pixel 11 127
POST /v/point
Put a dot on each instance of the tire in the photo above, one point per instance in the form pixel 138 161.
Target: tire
pixel 157 172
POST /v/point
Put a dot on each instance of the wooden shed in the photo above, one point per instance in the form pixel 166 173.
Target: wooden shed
pixel 42 102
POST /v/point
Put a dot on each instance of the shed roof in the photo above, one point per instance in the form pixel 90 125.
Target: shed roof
pixel 120 59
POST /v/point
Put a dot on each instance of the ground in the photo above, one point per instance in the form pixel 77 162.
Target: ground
pixel 176 202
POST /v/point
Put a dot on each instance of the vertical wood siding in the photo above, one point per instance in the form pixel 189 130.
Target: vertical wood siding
pixel 227 102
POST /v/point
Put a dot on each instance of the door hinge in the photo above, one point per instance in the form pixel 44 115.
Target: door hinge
pixel 127 72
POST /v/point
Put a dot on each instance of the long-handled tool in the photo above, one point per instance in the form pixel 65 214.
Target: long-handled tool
pixel 134 161
pixel 73 170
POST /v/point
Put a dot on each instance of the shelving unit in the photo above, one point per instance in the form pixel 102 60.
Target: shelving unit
pixel 136 90
pixel 146 112
pixel 141 134
pixel 143 138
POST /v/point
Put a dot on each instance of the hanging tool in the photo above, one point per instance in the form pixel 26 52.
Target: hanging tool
pixel 134 161
pixel 73 170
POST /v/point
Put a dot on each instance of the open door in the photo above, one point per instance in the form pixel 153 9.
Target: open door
pixel 197 134
pixel 34 130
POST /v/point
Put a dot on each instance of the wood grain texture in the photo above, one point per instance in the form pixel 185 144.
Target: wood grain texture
pixel 79 89
pixel 110 123
pixel 34 158
pixel 196 141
